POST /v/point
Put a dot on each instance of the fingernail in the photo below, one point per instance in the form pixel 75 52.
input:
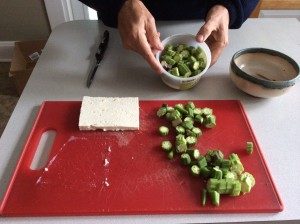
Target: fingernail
pixel 200 38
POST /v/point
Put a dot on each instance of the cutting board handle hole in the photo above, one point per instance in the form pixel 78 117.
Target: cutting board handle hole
pixel 41 155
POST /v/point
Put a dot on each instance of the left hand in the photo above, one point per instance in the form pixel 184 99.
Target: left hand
pixel 215 31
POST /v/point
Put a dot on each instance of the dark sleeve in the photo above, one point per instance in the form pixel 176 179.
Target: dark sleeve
pixel 239 10
pixel 107 10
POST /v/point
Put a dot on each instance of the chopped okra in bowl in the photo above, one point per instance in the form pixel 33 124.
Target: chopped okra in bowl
pixel 184 61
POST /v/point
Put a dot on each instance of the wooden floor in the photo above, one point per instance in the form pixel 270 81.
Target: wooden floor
pixel 8 96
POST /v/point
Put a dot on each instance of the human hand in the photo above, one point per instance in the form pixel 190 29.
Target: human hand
pixel 138 32
pixel 215 31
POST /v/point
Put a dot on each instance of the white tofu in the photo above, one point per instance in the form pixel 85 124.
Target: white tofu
pixel 109 113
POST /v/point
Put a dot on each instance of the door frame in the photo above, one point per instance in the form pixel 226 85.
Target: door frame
pixel 61 11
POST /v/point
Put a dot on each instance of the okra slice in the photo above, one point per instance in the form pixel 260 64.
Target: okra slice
pixel 163 130
pixel 226 163
pixel 222 186
pixel 198 118
pixel 176 122
pixel 202 162
pixel 185 159
pixel 165 65
pixel 171 155
pixel 180 108
pixel 236 164
pixel 185 53
pixel 181 144
pixel 249 147
pixel 210 121
pixel 174 71
pixel 177 57
pixel 161 111
pixel 215 198
pixel 181 47
pixel 180 130
pixel 205 172
pixel 175 114
pixel 166 146
pixel 237 187
pixel 187 124
pixel 184 70
pixel 195 170
pixel 212 184
pixel 195 65
pixel 169 47
pixel 191 140
pixel 207 111
pixel 217 173
pixel 194 154
pixel 197 131
pixel 170 61
pixel 192 59
pixel 170 52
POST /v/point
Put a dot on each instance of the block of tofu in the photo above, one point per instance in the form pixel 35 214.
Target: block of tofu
pixel 109 113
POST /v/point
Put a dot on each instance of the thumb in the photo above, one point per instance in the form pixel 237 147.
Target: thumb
pixel 204 32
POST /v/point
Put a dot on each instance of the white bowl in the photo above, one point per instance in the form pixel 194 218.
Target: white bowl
pixel 179 82
pixel 263 72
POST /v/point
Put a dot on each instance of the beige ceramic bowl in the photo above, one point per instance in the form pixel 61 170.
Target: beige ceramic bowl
pixel 178 82
pixel 263 72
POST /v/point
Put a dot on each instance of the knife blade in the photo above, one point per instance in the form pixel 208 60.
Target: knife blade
pixel 99 56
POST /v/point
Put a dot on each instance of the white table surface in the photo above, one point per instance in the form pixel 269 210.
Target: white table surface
pixel 60 74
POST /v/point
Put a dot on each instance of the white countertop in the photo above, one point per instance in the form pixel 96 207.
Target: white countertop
pixel 60 74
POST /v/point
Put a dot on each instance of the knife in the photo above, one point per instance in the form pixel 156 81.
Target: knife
pixel 99 56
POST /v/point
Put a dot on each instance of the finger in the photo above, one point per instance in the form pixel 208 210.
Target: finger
pixel 145 50
pixel 216 49
pixel 205 31
pixel 153 35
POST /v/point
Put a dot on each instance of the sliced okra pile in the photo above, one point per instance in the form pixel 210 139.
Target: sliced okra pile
pixel 223 176
pixel 182 60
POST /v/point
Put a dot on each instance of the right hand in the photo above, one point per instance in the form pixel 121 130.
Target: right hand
pixel 138 32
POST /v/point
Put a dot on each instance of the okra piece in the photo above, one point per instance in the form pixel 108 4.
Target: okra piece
pixel 184 70
pixel 190 113
pixel 181 108
pixel 161 111
pixel 185 53
pixel 176 122
pixel 188 124
pixel 189 119
pixel 197 131
pixel 185 159
pixel 165 65
pixel 249 147
pixel 163 130
pixel 170 109
pixel 199 118
pixel 197 111
pixel 226 163
pixel 205 172
pixel 210 121
pixel 171 155
pixel 194 153
pixel 181 144
pixel 247 182
pixel 174 71
pixel 195 170
pixel 177 57
pixel 191 140
pixel 222 187
pixel 212 184
pixel 175 114
pixel 181 47
pixel 180 130
pixel 214 157
pixel 202 162
pixel 230 175
pixel 236 166
pixel 207 111
pixel 203 196
pixel 170 61
pixel 215 197
pixel 195 65
pixel 169 47
pixel 166 146
pixel 237 187
pixel 192 59
pixel 170 52
pixel 217 173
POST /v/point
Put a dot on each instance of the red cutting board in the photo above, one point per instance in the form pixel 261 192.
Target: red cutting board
pixel 137 177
